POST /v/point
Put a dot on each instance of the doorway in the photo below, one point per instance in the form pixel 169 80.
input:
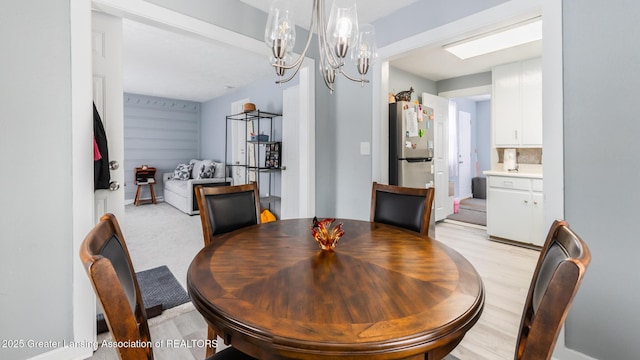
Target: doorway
pixel 552 87
pixel 472 116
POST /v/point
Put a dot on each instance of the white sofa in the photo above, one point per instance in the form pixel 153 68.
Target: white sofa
pixel 180 193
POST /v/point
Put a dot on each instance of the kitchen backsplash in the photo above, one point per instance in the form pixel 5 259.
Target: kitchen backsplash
pixel 524 155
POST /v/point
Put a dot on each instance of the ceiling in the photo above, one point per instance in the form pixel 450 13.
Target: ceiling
pixel 159 62
pixel 163 63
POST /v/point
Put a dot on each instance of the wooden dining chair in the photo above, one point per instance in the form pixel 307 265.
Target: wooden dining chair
pixel 224 209
pixel 409 208
pixel 561 266
pixel 227 208
pixel 106 259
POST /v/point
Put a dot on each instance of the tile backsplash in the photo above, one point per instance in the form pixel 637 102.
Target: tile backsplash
pixel 524 155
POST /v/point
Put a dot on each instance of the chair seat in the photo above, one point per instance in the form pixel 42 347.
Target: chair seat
pixel 230 353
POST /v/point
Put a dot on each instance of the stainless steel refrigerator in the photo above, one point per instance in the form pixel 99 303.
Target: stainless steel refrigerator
pixel 411 147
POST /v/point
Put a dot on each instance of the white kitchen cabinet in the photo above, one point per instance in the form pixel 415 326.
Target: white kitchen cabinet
pixel 517 104
pixel 515 209
pixel 538 231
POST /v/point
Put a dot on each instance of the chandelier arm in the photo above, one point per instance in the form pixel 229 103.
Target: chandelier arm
pixel 332 60
pixel 330 86
pixel 362 80
pixel 298 63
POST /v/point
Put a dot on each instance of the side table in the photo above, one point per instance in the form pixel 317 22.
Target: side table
pixel 145 176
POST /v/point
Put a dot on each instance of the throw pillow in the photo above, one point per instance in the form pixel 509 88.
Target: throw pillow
pixel 197 165
pixel 220 170
pixel 182 172
pixel 206 171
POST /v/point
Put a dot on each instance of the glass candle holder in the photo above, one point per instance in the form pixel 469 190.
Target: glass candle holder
pixel 325 233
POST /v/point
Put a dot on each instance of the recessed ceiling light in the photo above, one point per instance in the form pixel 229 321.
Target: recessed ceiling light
pixel 521 33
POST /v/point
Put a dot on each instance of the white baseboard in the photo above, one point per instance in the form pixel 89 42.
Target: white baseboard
pixel 130 201
pixel 65 353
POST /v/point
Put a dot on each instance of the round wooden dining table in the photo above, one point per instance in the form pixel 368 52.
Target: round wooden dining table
pixel 382 293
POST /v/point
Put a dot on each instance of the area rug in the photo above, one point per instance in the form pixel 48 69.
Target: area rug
pixel 160 291
pixel 473 211
pixel 450 357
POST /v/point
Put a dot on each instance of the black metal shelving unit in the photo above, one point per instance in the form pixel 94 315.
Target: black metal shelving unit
pixel 265 157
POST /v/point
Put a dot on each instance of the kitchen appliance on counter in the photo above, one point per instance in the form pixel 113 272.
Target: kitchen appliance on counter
pixel 411 147
pixel 509 160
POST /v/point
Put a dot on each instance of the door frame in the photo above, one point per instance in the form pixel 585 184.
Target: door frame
pixel 83 312
pixel 464 191
pixel 552 76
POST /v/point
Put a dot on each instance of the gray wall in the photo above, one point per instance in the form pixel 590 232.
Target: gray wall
pixel 424 15
pixel 352 174
pixel 400 80
pixel 36 250
pixel 158 132
pixel 464 82
pixel 601 147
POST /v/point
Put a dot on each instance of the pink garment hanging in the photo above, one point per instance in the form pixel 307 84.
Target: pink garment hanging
pixel 96 151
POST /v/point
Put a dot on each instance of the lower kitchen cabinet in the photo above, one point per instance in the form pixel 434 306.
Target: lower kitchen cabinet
pixel 515 209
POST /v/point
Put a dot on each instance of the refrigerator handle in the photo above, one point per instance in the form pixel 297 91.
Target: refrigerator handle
pixel 417 160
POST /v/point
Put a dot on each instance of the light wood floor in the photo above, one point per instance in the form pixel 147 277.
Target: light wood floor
pixel 505 269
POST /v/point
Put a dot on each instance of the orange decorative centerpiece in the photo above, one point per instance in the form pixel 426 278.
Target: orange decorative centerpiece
pixel 325 234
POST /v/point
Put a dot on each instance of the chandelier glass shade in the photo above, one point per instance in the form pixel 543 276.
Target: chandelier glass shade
pixel 337 37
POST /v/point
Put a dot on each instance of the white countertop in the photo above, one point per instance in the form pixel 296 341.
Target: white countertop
pixel 532 171
pixel 524 173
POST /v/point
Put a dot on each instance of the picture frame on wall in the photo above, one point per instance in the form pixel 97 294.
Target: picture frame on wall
pixel 272 155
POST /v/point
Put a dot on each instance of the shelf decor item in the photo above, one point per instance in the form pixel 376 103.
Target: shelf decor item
pixel 272 155
pixel 325 234
pixel 259 137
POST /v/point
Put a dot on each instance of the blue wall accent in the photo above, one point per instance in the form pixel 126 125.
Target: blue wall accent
pixel 158 132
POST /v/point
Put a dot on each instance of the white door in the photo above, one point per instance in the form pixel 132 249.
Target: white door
pixel 108 97
pixel 290 192
pixel 443 202
pixel 237 143
pixel 464 154
pixel 298 151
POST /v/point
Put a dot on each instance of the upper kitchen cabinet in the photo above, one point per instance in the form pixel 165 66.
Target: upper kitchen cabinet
pixel 517 104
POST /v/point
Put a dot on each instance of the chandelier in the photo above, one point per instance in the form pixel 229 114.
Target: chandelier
pixel 337 37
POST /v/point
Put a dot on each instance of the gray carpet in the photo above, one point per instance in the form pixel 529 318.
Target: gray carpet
pixel 159 286
pixel 160 291
pixel 473 211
